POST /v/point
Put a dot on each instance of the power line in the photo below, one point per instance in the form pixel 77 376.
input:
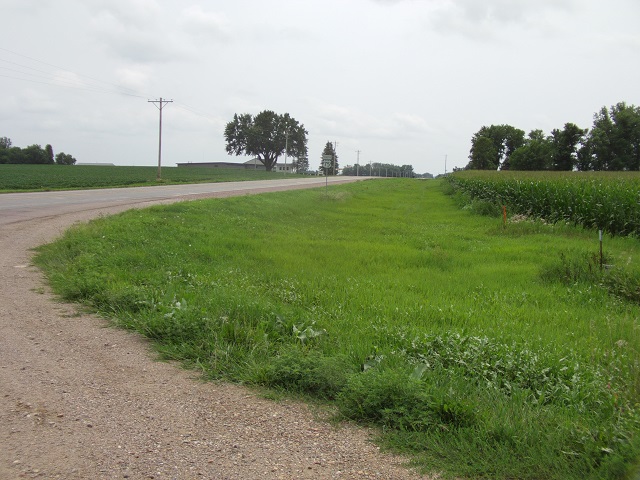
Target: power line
pixel 160 104
pixel 194 111
pixel 119 88
pixel 26 73
pixel 60 82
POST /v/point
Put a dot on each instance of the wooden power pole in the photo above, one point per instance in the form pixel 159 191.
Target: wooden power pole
pixel 160 104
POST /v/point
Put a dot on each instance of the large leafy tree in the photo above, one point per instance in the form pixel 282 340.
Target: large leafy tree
pixel 565 146
pixel 266 136
pixel 483 155
pixel 329 149
pixel 504 139
pixel 35 154
pixel 12 155
pixel 614 140
pixel 65 159
pixel 535 154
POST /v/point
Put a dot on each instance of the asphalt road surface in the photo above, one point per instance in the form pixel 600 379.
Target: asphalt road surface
pixel 16 207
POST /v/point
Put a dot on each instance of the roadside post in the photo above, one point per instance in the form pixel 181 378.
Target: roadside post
pixel 326 165
pixel 601 258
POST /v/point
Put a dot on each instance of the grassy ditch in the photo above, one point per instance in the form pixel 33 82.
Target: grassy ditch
pixel 446 329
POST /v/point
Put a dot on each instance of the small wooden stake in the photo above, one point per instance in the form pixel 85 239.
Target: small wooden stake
pixel 601 259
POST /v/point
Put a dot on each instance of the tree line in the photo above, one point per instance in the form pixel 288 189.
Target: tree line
pixel 612 144
pixel 380 170
pixel 268 136
pixel 32 155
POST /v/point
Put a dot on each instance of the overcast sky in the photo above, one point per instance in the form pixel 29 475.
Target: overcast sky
pixel 403 81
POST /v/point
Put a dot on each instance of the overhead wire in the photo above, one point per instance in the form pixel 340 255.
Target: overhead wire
pixel 52 76
pixel 194 110
pixel 56 79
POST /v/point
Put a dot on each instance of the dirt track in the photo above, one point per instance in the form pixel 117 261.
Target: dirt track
pixel 80 400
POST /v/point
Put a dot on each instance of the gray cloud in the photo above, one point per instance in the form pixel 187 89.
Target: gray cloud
pixel 213 25
pixel 138 31
pixel 486 18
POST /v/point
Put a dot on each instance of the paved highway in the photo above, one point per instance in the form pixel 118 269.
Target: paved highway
pixel 16 207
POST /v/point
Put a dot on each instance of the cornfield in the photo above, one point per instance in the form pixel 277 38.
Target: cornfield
pixel 609 201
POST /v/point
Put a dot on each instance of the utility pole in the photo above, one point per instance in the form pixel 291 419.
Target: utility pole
pixel 160 105
pixel 358 164
pixel 445 164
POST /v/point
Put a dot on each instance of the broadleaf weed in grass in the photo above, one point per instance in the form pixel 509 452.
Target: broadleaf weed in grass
pixel 571 267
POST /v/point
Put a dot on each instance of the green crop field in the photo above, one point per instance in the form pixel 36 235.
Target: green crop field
pixel 15 178
pixel 605 200
pixel 482 349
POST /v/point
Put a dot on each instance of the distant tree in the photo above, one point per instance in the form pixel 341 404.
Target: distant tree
pixel 14 155
pixel 483 155
pixel 565 146
pixel 35 154
pixel 381 170
pixel 598 152
pixel 329 150
pixel 505 140
pixel 614 140
pixel 584 157
pixel 407 171
pixel 49 152
pixel 349 170
pixel 535 154
pixel 626 120
pixel 65 159
pixel 301 164
pixel 265 136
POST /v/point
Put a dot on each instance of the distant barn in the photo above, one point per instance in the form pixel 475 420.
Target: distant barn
pixel 253 164
pixel 96 164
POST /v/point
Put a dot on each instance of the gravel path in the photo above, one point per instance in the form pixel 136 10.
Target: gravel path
pixel 81 400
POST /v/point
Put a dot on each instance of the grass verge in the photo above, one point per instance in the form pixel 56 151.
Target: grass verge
pixel 448 330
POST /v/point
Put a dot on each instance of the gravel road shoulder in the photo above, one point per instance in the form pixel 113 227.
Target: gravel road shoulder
pixel 79 399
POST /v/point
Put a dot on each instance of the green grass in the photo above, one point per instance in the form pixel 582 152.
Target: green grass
pixel 463 339
pixel 16 178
